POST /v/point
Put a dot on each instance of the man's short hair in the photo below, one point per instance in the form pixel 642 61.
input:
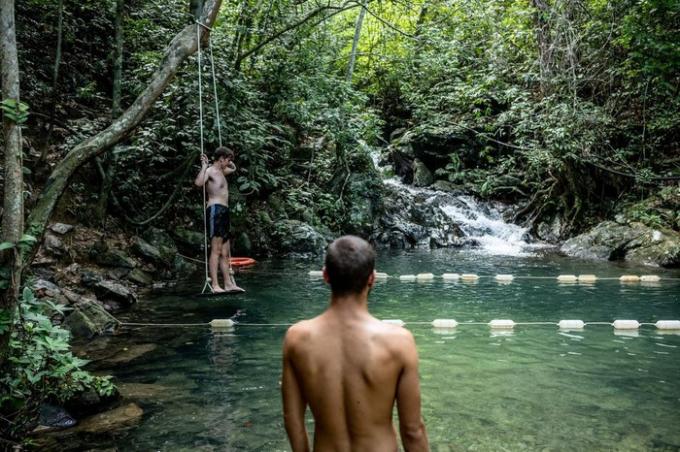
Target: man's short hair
pixel 223 151
pixel 349 262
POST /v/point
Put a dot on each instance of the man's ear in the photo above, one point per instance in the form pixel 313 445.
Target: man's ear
pixel 371 279
pixel 325 275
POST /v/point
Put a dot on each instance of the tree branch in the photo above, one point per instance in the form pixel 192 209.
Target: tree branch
pixel 183 45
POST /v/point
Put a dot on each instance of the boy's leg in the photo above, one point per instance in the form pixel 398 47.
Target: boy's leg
pixel 216 246
pixel 229 282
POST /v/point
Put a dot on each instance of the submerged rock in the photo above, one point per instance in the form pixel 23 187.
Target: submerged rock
pixel 635 243
pixel 130 353
pixel 89 402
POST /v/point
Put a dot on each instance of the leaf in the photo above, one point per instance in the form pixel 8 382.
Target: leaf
pixel 6 246
pixel 27 239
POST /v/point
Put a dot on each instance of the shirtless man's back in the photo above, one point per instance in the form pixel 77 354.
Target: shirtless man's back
pixel 350 368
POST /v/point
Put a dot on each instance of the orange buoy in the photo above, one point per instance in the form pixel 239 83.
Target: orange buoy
pixel 242 261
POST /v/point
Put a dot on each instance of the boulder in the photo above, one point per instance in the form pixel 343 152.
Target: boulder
pixel 635 243
pixel 183 267
pixel 294 236
pixel 140 277
pixel 61 228
pixel 89 402
pixel 162 241
pixel 422 176
pixel 145 250
pixel 550 232
pixel 89 319
pixel 607 241
pixel 46 288
pixel 114 258
pixel 53 245
pixel 111 290
pixel 188 238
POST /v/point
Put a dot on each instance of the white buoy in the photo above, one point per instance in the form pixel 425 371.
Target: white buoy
pixel 626 324
pixel 451 276
pixel 571 324
pixel 501 324
pixel 629 278
pixel 316 273
pixel 566 278
pixel 504 278
pixel 221 323
pixel 469 277
pixel 380 275
pixel 668 324
pixel 425 276
pixel 397 322
pixel 444 323
pixel 650 278
pixel 587 278
pixel 407 277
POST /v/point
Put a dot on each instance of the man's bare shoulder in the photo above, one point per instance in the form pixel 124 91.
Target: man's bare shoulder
pixel 298 333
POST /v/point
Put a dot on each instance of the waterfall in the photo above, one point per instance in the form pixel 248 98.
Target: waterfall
pixel 439 218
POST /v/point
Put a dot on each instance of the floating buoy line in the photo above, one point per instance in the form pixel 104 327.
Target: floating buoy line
pixel 507 278
pixel 672 326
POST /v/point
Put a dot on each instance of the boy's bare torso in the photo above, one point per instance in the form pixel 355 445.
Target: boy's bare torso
pixel 217 188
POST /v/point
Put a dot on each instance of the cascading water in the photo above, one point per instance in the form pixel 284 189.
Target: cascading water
pixel 439 218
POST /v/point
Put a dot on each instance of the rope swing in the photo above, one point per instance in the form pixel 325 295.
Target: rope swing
pixel 206 284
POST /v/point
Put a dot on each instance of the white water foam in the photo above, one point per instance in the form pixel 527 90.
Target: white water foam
pixel 481 221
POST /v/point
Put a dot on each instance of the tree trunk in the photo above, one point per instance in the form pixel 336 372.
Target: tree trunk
pixel 13 214
pixel 355 42
pixel 544 41
pixel 196 7
pixel 109 161
pixel 55 81
pixel 183 45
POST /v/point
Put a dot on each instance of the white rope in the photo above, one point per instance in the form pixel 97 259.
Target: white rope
pixel 206 284
pixel 214 80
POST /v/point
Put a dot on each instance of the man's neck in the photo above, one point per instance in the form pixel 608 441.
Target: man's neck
pixel 349 305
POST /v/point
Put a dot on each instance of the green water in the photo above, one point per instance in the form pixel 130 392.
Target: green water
pixel 534 389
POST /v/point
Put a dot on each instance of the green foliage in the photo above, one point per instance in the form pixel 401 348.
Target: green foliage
pixel 15 111
pixel 40 365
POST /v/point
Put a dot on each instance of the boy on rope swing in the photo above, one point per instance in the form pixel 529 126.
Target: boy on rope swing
pixel 213 177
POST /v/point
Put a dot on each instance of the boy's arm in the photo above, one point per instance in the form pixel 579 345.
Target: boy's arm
pixel 203 175
pixel 411 425
pixel 230 169
pixel 294 404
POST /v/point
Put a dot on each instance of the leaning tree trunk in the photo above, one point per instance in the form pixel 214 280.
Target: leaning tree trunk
pixel 183 45
pixel 355 42
pixel 13 204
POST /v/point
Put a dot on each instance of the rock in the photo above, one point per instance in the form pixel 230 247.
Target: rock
pixel 53 245
pixel 89 319
pixel 130 353
pixel 193 240
pixel 140 277
pixel 422 176
pixel 114 258
pixel 61 228
pixel 183 267
pixel 294 236
pixel 46 289
pixel 114 291
pixel 608 241
pixel 145 250
pixel 550 232
pixel 114 420
pixel 54 417
pixel 142 391
pixel 89 402
pixel 162 241
pixel 90 278
pixel 117 273
pixel 635 243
